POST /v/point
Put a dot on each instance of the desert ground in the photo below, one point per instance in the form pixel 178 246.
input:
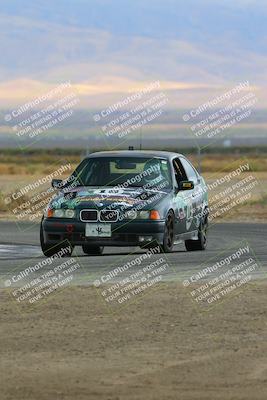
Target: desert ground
pixel 161 347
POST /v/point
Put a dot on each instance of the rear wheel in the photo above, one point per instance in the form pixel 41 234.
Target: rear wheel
pixel 50 250
pixel 201 242
pixel 92 250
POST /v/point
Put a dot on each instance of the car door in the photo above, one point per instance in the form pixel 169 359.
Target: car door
pixel 181 198
pixel 195 196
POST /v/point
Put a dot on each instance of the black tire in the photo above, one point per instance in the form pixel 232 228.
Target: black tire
pixel 50 250
pixel 92 250
pixel 201 242
pixel 168 238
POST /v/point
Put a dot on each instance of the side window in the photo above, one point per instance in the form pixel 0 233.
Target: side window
pixel 179 171
pixel 190 171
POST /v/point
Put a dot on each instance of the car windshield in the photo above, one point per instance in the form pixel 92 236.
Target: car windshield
pixel 123 172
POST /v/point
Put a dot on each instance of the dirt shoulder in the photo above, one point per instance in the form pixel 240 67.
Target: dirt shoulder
pixel 161 347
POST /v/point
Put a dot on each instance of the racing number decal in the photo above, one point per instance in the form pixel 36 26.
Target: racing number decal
pixel 189 213
pixel 184 210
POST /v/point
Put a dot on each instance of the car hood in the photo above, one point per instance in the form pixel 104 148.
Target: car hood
pixel 101 197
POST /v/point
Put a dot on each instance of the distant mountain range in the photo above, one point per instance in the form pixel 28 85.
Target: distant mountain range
pixel 108 49
pixel 80 130
pixel 203 44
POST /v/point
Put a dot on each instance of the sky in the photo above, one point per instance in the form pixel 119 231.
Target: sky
pixel 197 49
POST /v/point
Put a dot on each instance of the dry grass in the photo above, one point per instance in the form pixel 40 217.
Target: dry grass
pixel 31 169
pixel 217 162
pixel 41 162
pixel 210 163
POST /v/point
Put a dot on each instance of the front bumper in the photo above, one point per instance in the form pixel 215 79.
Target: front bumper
pixel 123 233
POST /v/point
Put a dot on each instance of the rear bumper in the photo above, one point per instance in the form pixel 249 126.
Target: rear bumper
pixel 123 233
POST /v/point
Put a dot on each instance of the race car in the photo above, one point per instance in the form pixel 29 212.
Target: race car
pixel 127 198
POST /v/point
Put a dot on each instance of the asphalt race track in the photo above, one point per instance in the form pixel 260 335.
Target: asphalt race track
pixel 19 247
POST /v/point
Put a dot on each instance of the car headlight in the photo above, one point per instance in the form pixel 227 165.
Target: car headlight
pixel 144 214
pixel 132 214
pixel 69 213
pixel 60 213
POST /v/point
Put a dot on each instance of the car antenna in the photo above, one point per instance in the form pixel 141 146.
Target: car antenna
pixel 199 160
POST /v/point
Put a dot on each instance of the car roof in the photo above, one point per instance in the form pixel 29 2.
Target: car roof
pixel 135 153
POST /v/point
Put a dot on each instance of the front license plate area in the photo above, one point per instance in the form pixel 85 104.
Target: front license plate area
pixel 98 230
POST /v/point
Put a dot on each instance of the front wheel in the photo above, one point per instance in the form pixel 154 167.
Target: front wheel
pixel 168 238
pixel 201 242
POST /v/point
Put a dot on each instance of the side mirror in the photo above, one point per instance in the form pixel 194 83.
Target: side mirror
pixel 186 185
pixel 56 183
